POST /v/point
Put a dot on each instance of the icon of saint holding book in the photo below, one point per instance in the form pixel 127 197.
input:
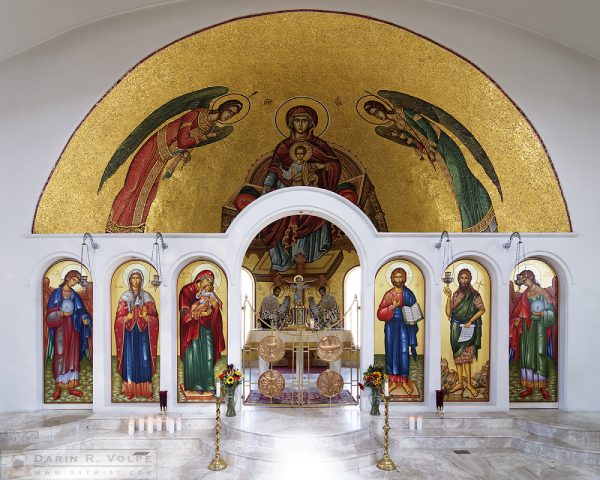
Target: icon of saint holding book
pixel 400 312
pixel 464 309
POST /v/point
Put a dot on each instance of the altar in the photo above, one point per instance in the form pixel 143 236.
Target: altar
pixel 323 370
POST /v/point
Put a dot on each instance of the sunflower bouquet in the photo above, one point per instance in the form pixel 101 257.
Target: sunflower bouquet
pixel 374 378
pixel 230 379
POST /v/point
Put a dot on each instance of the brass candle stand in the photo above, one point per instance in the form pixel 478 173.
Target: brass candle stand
pixel 386 463
pixel 217 463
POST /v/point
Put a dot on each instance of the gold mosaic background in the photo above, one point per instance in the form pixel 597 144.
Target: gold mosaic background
pixel 333 58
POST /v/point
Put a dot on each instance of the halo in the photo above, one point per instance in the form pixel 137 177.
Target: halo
pixel 360 109
pixel 213 269
pixel 470 268
pixel 307 155
pixel 243 99
pixel 298 276
pixel 74 266
pixel 322 115
pixel 136 266
pixel 527 266
pixel 393 266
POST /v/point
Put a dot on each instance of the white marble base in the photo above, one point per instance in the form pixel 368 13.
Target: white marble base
pixel 268 443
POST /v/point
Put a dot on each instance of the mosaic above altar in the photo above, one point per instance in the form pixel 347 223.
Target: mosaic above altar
pixel 371 111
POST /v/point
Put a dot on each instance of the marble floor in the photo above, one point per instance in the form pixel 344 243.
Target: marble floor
pixel 270 443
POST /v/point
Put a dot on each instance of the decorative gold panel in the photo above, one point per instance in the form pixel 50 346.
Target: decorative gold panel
pixel 336 59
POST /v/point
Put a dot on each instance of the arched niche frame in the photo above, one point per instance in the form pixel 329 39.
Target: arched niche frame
pixel 79 394
pixel 171 308
pixel 565 282
pixel 103 330
pixel 130 385
pixel 307 201
pixel 414 384
pixel 498 334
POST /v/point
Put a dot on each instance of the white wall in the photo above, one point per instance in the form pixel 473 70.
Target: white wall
pixel 46 91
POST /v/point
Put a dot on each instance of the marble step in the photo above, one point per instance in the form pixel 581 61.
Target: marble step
pixel 580 429
pixel 288 462
pixel 291 430
pixel 451 421
pixel 120 423
pixel 21 430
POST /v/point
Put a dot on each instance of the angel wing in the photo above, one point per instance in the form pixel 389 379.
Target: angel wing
pixel 48 342
pixel 513 296
pixel 188 101
pixel 87 297
pixel 553 337
pixel 436 114
pixel 513 299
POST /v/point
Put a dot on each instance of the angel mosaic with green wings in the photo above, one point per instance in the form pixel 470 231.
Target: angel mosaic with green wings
pixel 417 124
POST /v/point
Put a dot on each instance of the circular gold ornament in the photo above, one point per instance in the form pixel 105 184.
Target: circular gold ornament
pixel 329 348
pixel 271 348
pixel 329 383
pixel 271 383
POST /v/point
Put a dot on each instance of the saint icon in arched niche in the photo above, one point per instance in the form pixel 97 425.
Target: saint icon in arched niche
pixel 67 293
pixel 465 332
pixel 533 340
pixel 202 288
pixel 399 331
pixel 136 355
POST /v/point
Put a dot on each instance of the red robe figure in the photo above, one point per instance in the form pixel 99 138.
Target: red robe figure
pixel 162 150
pixel 201 333
pixel 300 159
pixel 136 338
pixel 70 331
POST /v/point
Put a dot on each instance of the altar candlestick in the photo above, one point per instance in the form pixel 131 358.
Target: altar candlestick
pixel 412 422
pixel 178 424
pixel 141 424
pixel 386 387
pixel 218 388
pixel 158 424
pixel 131 426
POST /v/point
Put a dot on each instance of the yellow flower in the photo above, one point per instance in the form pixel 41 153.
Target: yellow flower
pixel 238 373
pixel 229 380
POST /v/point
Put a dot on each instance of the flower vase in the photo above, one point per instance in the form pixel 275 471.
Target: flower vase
pixel 375 401
pixel 230 401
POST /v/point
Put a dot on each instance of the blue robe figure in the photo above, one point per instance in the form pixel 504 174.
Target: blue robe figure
pixel 400 338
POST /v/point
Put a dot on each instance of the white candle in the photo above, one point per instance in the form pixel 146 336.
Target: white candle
pixel 170 425
pixel 412 422
pixel 131 426
pixel 158 424
pixel 178 424
pixel 218 388
pixel 150 426
pixel 419 423
pixel 141 423
pixel 386 388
